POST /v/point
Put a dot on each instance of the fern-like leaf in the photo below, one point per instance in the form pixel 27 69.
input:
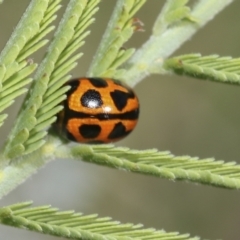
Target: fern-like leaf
pixel 121 27
pixel 72 225
pixel 48 93
pixel 25 40
pixel 160 164
pixel 176 21
pixel 213 67
pixel 45 27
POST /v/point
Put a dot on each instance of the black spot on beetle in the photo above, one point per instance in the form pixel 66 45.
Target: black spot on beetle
pixel 120 99
pixel 91 99
pixel 98 82
pixel 89 131
pixel 118 131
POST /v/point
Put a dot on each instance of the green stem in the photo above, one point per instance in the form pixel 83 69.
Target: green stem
pixel 160 164
pixel 152 54
pixel 16 173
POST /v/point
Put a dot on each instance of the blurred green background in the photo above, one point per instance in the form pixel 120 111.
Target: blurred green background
pixel 180 114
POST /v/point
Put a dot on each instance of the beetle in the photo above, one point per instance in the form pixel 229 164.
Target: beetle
pixel 98 110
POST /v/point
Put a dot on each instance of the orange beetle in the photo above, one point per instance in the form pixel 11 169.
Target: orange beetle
pixel 98 110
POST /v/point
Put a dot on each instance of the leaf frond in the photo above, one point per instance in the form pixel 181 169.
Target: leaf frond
pixel 27 28
pixel 111 53
pixel 71 225
pixel 149 58
pixel 45 27
pixel 161 164
pixel 53 71
pixel 213 67
pixel 14 86
pixel 26 39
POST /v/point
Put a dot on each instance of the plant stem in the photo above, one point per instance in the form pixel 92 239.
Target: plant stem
pixel 152 54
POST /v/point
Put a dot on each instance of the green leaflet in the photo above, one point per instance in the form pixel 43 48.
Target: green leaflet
pixel 54 72
pixel 111 53
pixel 213 67
pixel 27 38
pixel 14 85
pixel 2 73
pixel 71 225
pixel 161 164
pixel 27 28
